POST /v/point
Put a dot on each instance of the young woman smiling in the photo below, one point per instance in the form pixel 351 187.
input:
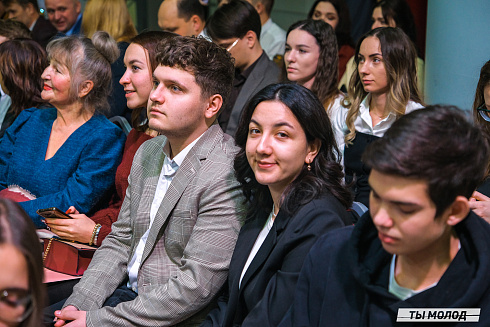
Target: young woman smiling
pixel 288 168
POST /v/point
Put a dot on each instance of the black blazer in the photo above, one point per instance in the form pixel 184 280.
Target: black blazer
pixel 43 31
pixel 267 287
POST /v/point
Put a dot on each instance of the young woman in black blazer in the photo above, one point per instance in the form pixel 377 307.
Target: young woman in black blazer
pixel 290 174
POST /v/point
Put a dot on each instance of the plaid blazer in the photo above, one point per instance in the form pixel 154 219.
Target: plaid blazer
pixel 189 247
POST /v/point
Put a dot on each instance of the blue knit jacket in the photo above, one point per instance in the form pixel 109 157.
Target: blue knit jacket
pixel 79 173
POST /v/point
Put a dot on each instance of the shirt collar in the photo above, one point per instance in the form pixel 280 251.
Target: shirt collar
pixel 179 158
pixel 71 30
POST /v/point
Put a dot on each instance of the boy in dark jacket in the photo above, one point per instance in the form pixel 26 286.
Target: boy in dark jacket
pixel 419 254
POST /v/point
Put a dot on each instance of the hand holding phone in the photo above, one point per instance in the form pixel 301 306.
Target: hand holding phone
pixel 52 213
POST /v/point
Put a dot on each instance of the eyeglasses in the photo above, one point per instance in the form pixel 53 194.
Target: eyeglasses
pixel 484 112
pixel 232 45
pixel 15 305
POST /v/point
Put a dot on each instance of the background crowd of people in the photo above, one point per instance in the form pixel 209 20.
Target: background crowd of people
pixel 206 161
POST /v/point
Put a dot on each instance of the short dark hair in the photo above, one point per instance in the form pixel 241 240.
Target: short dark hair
pixel 18 230
pixel 22 3
pixel 343 28
pixel 22 62
pixel 233 19
pixel 12 29
pixel 211 65
pixel 438 145
pixel 326 172
pixel 188 8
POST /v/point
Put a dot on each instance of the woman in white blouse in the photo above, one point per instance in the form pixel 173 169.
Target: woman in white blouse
pixel 382 89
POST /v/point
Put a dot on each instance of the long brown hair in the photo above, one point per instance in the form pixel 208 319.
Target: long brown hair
pixel 399 58
pixel 149 42
pixel 22 62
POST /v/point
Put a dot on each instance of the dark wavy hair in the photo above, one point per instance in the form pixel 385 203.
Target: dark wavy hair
pixel 343 29
pixel 149 41
pixel 17 229
pixel 22 62
pixel 327 71
pixel 438 145
pixel 326 173
pixel 484 125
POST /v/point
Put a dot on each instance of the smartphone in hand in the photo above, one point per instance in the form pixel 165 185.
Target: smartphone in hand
pixel 52 213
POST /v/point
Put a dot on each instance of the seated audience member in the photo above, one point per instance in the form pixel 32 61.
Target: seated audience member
pixel 311 61
pixel 65 15
pixel 76 151
pixel 382 89
pixel 272 37
pixel 390 13
pixel 21 268
pixel 11 29
pixel 112 16
pixel 419 246
pixel 235 26
pixel 140 62
pixel 184 17
pixel 27 12
pixel 480 201
pixel 336 14
pixel 22 61
pixel 292 181
pixel 168 253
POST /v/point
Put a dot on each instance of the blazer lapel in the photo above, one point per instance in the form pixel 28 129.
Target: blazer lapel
pixel 269 243
pixel 186 172
pixel 152 162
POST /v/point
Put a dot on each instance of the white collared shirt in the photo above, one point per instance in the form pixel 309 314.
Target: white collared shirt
pixel 363 122
pixel 169 169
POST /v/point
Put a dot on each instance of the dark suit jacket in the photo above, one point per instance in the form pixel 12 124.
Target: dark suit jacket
pixel 43 31
pixel 189 246
pixel 267 287
pixel 264 73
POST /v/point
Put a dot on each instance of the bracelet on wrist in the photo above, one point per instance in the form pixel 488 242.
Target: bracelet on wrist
pixel 97 235
pixel 96 227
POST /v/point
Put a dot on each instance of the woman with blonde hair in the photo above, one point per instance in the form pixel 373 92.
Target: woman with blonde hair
pixel 382 89
pixel 112 16
pixel 66 154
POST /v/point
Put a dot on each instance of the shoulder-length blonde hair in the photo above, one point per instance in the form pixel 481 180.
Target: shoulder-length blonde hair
pixel 111 16
pixel 400 60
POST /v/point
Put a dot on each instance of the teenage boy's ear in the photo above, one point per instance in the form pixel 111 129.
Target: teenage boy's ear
pixel 459 209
